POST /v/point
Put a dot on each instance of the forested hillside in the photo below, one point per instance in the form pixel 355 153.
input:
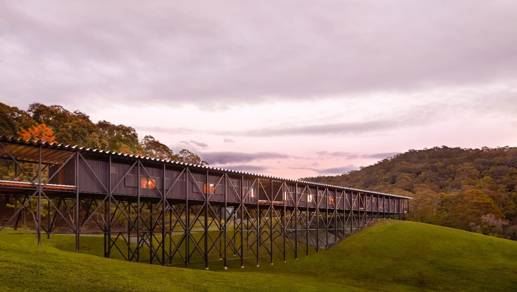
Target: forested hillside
pixel 472 189
pixel 56 124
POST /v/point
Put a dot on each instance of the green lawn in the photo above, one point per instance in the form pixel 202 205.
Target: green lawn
pixel 393 256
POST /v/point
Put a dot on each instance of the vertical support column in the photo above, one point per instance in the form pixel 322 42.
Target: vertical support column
pixel 129 226
pixel 326 218
pixel 258 227
pixel 284 228
pixel 164 211
pixel 351 211
pixel 377 206
pixel 77 203
pixel 389 207
pixel 38 203
pixel 107 214
pixel 317 220
pixel 271 197
pixel 343 196
pixel 335 216
pixel 187 218
pixel 205 231
pixel 242 222
pixel 296 218
pixel 150 232
pixel 370 210
pixel 400 208
pixel 170 233
pixel 49 221
pixel 365 209
pixel 138 218
pixel 307 217
pixel 225 215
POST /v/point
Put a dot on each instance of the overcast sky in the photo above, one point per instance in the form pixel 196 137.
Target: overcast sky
pixel 292 88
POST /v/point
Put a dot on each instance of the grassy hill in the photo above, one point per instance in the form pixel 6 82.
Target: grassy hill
pixel 392 256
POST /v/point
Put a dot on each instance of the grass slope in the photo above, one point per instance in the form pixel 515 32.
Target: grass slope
pixel 388 256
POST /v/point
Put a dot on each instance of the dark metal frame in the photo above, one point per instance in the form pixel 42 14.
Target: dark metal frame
pixel 291 218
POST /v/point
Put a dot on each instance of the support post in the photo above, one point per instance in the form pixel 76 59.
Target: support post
pixel 295 221
pixel 77 204
pixel 307 217
pixel 225 263
pixel 138 214
pixel 163 212
pixel 317 220
pixel 258 228
pixel 326 218
pixel 284 228
pixel 205 236
pixel 272 198
pixel 38 211
pixel 242 222
pixel 187 218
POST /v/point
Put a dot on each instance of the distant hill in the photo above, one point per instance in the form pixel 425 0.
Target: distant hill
pixel 391 256
pixel 472 189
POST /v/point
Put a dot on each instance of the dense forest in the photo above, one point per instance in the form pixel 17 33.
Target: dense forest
pixel 55 124
pixel 471 189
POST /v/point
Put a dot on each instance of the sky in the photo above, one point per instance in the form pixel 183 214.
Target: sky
pixel 288 88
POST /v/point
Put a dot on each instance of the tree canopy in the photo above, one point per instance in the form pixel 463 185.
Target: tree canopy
pixel 54 123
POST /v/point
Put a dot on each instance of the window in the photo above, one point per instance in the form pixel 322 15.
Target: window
pixel 285 196
pixel 252 193
pixel 309 198
pixel 147 182
pixel 209 189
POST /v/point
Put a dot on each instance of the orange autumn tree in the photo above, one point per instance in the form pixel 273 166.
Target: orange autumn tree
pixel 40 131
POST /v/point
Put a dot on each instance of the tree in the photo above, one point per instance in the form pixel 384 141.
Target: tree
pixel 40 132
pixel 12 120
pixel 155 148
pixel 189 157
pixel 74 128
pixel 118 138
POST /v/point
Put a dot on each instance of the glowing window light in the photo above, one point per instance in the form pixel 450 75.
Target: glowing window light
pixel 252 193
pixel 285 196
pixel 309 198
pixel 147 182
pixel 210 189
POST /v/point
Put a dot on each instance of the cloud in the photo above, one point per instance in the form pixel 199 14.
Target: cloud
pixel 215 53
pixel 350 155
pixel 336 170
pixel 347 155
pixel 198 144
pixel 380 155
pixel 228 140
pixel 320 129
pixel 239 157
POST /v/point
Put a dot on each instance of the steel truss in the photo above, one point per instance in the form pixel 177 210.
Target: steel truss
pixel 162 230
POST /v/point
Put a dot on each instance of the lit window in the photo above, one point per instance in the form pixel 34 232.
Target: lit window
pixel 309 198
pixel 285 196
pixel 210 189
pixel 252 193
pixel 331 201
pixel 147 182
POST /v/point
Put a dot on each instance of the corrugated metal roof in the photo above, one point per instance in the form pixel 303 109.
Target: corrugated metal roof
pixel 38 143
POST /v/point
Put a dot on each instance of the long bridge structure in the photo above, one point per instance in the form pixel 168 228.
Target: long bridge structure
pixel 173 213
